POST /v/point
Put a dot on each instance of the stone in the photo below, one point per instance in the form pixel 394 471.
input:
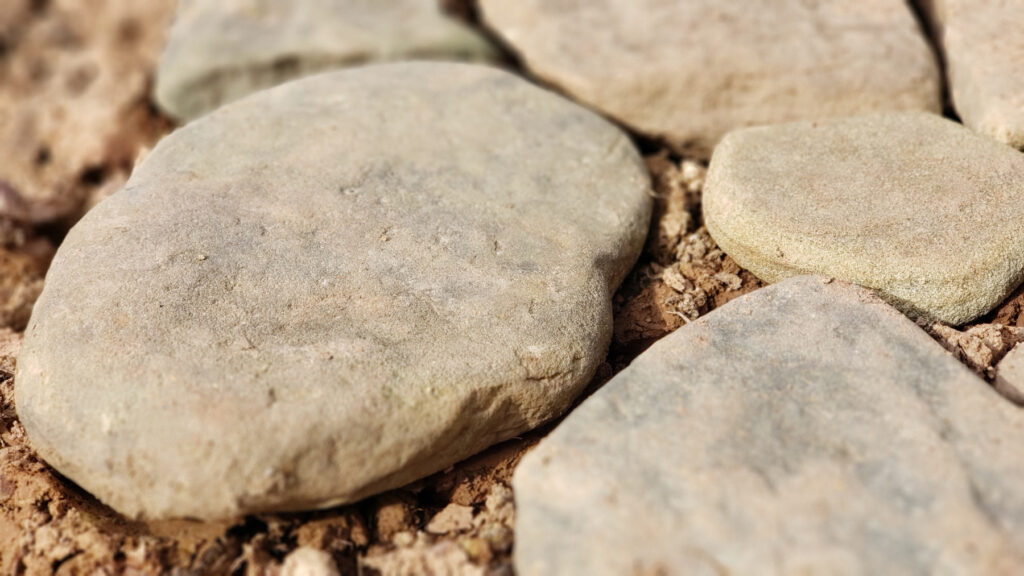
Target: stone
pixel 221 50
pixel 806 428
pixel 452 518
pixel 308 562
pixel 688 72
pixel 1009 379
pixel 331 289
pixel 984 54
pixel 419 555
pixel 920 208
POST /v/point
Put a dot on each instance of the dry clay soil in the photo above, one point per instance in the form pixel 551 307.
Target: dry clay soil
pixel 74 115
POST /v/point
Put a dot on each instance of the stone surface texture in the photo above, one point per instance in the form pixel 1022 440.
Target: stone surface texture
pixel 920 208
pixel 330 289
pixel 688 72
pixel 984 53
pixel 220 50
pixel 806 428
pixel 1010 375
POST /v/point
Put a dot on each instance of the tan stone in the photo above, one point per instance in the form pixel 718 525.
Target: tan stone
pixel 920 208
pixel 690 71
pixel 984 49
pixel 308 562
pixel 1010 375
pixel 221 50
pixel 331 289
pixel 806 428
pixel 453 518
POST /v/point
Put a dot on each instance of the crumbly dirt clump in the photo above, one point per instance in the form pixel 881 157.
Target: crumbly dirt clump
pixel 24 258
pixel 682 274
pixel 74 101
pixel 983 344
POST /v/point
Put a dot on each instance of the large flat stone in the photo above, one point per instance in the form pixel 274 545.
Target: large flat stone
pixel 806 428
pixel 920 208
pixel 984 49
pixel 220 50
pixel 690 71
pixel 330 289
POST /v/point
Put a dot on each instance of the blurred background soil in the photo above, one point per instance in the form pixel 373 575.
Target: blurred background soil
pixel 75 77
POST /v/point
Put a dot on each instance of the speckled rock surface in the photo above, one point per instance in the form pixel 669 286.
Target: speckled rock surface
pixel 74 109
pixel 220 50
pixel 393 267
pixel 806 428
pixel 984 50
pixel 688 72
pixel 918 207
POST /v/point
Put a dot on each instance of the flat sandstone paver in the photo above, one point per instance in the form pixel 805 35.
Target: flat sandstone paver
pixel 689 71
pixel 220 50
pixel 920 208
pixel 330 289
pixel 983 41
pixel 806 428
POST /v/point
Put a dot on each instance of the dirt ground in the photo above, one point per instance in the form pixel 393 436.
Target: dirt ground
pixel 74 115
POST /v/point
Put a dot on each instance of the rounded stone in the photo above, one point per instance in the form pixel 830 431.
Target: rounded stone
pixel 919 208
pixel 330 289
pixel 221 50
pixel 984 55
pixel 687 72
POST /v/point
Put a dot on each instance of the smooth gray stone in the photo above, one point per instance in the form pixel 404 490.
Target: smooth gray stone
pixel 806 428
pixel 330 289
pixel 221 50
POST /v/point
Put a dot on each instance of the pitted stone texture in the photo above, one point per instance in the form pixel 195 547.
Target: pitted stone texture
pixel 984 49
pixel 689 71
pixel 806 428
pixel 220 50
pixel 921 209
pixel 330 289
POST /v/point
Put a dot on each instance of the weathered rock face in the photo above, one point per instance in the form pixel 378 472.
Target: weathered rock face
pixel 806 428
pixel 920 208
pixel 984 51
pixel 330 289
pixel 688 72
pixel 220 50
pixel 1010 375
